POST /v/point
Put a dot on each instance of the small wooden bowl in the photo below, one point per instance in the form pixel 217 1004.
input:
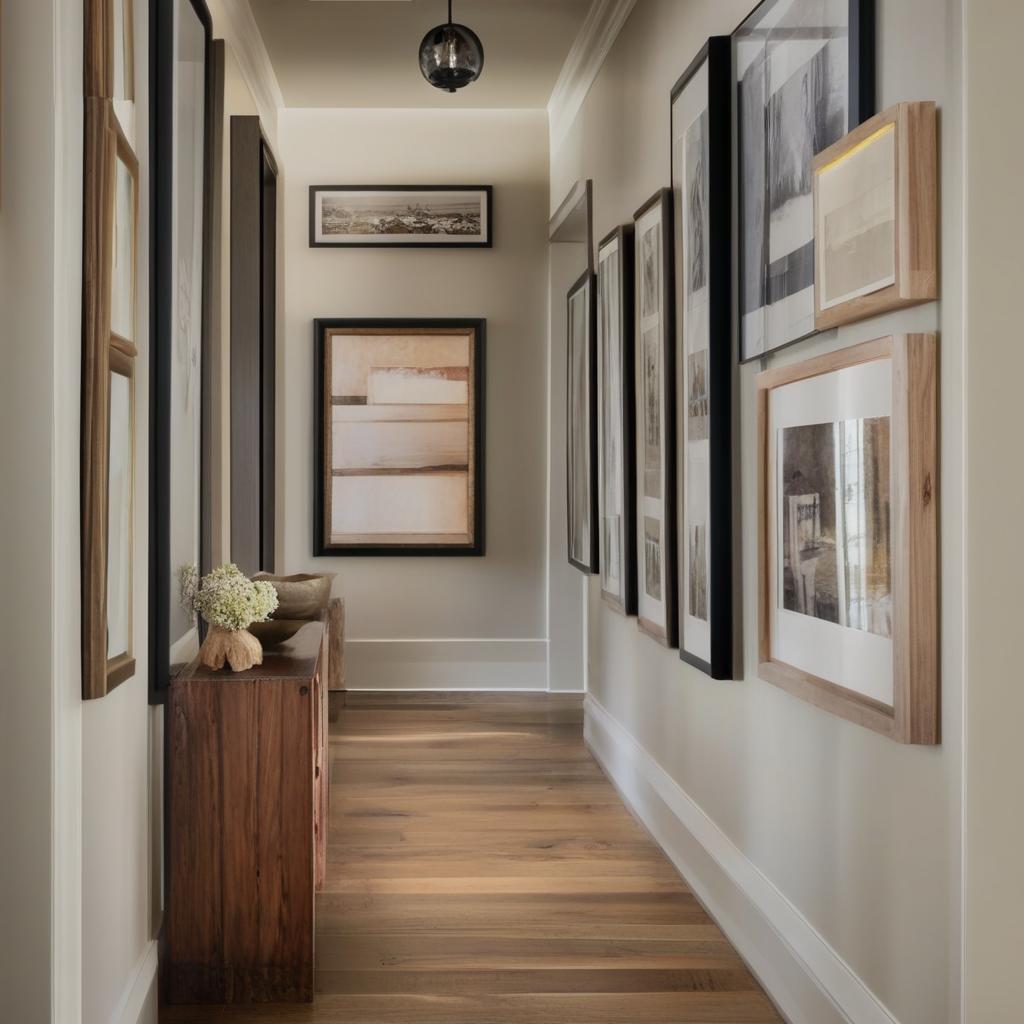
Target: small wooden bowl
pixel 303 596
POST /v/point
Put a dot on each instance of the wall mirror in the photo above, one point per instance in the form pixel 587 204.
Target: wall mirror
pixel 180 40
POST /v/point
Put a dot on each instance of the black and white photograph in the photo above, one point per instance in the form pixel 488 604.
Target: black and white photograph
pixel 697 401
pixel 650 254
pixel 652 429
pixel 701 163
pixel 652 558
pixel 616 450
pixel 797 96
pixel 656 389
pixel 408 216
pixel 581 427
pixel 836 523
pixel 697 583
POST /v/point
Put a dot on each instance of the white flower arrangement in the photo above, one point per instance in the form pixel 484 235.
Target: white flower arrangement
pixel 226 597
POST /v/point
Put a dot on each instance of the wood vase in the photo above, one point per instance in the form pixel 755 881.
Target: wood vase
pixel 237 647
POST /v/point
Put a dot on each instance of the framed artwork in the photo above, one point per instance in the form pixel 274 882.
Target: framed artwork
pixel 110 49
pixel 616 420
pixel 399 437
pixel 403 216
pixel 805 76
pixel 876 217
pixel 180 311
pixel 654 363
pixel 701 185
pixel 110 229
pixel 581 426
pixel 848 502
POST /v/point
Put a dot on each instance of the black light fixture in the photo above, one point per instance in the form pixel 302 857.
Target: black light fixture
pixel 451 56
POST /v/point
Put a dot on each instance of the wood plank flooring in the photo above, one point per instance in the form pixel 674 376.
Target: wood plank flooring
pixel 482 870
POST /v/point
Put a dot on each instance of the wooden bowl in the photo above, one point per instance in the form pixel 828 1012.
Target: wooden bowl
pixel 303 596
pixel 276 631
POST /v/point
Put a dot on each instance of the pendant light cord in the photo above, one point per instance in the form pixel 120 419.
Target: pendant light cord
pixel 449 12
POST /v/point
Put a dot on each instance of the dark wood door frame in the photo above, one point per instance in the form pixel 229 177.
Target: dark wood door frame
pixel 253 345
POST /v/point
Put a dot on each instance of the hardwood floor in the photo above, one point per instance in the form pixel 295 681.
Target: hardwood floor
pixel 482 870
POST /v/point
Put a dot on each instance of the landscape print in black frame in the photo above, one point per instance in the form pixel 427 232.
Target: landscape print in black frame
pixel 655 387
pixel 399 437
pixel 181 122
pixel 401 216
pixel 804 73
pixel 701 184
pixel 616 419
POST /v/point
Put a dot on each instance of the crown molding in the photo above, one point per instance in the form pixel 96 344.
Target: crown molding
pixel 240 29
pixel 596 37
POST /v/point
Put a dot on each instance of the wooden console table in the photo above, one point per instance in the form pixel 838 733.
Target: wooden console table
pixel 247 826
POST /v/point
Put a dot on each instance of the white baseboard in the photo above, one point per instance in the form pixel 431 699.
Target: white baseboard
pixel 446 664
pixel 138 1005
pixel 809 981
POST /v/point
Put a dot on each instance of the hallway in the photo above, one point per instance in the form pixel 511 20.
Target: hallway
pixel 482 869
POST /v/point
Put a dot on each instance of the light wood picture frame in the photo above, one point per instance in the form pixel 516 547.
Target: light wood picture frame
pixel 582 516
pixel 876 217
pixel 110 49
pixel 616 403
pixel 110 253
pixel 848 503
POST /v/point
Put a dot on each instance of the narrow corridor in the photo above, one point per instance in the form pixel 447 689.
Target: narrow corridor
pixel 483 870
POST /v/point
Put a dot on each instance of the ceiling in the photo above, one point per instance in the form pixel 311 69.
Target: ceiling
pixel 363 53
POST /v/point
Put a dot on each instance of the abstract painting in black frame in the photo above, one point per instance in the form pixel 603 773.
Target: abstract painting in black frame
pixel 804 73
pixel 581 426
pixel 616 402
pixel 701 183
pixel 180 245
pixel 399 442
pixel 655 386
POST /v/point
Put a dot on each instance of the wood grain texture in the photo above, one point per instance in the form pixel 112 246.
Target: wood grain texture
pixel 484 871
pixel 242 803
pixel 917 213
pixel 914 715
pixel 336 633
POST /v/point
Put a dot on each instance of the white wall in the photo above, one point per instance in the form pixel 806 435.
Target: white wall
pixel 994 368
pixel 429 622
pixel 821 846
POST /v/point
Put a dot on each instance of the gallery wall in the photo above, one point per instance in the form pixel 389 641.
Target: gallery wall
pixel 829 854
pixel 441 622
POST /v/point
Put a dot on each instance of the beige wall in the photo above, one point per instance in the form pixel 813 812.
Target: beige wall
pixel 993 370
pixel 860 836
pixel 481 621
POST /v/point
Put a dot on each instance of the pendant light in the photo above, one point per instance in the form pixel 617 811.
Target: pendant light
pixel 451 56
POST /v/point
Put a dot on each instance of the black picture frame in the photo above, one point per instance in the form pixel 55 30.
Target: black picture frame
pixel 163 259
pixel 860 96
pixel 667 633
pixel 486 243
pixel 712 649
pixel 321 327
pixel 624 601
pixel 589 547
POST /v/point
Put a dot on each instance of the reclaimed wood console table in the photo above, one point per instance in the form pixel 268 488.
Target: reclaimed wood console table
pixel 247 825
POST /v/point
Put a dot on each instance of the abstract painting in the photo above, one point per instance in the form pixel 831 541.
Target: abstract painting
pixel 616 413
pixel 400 435
pixel 701 160
pixel 581 427
pixel 408 216
pixel 804 74
pixel 849 533
pixel 654 362
pixel 876 217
